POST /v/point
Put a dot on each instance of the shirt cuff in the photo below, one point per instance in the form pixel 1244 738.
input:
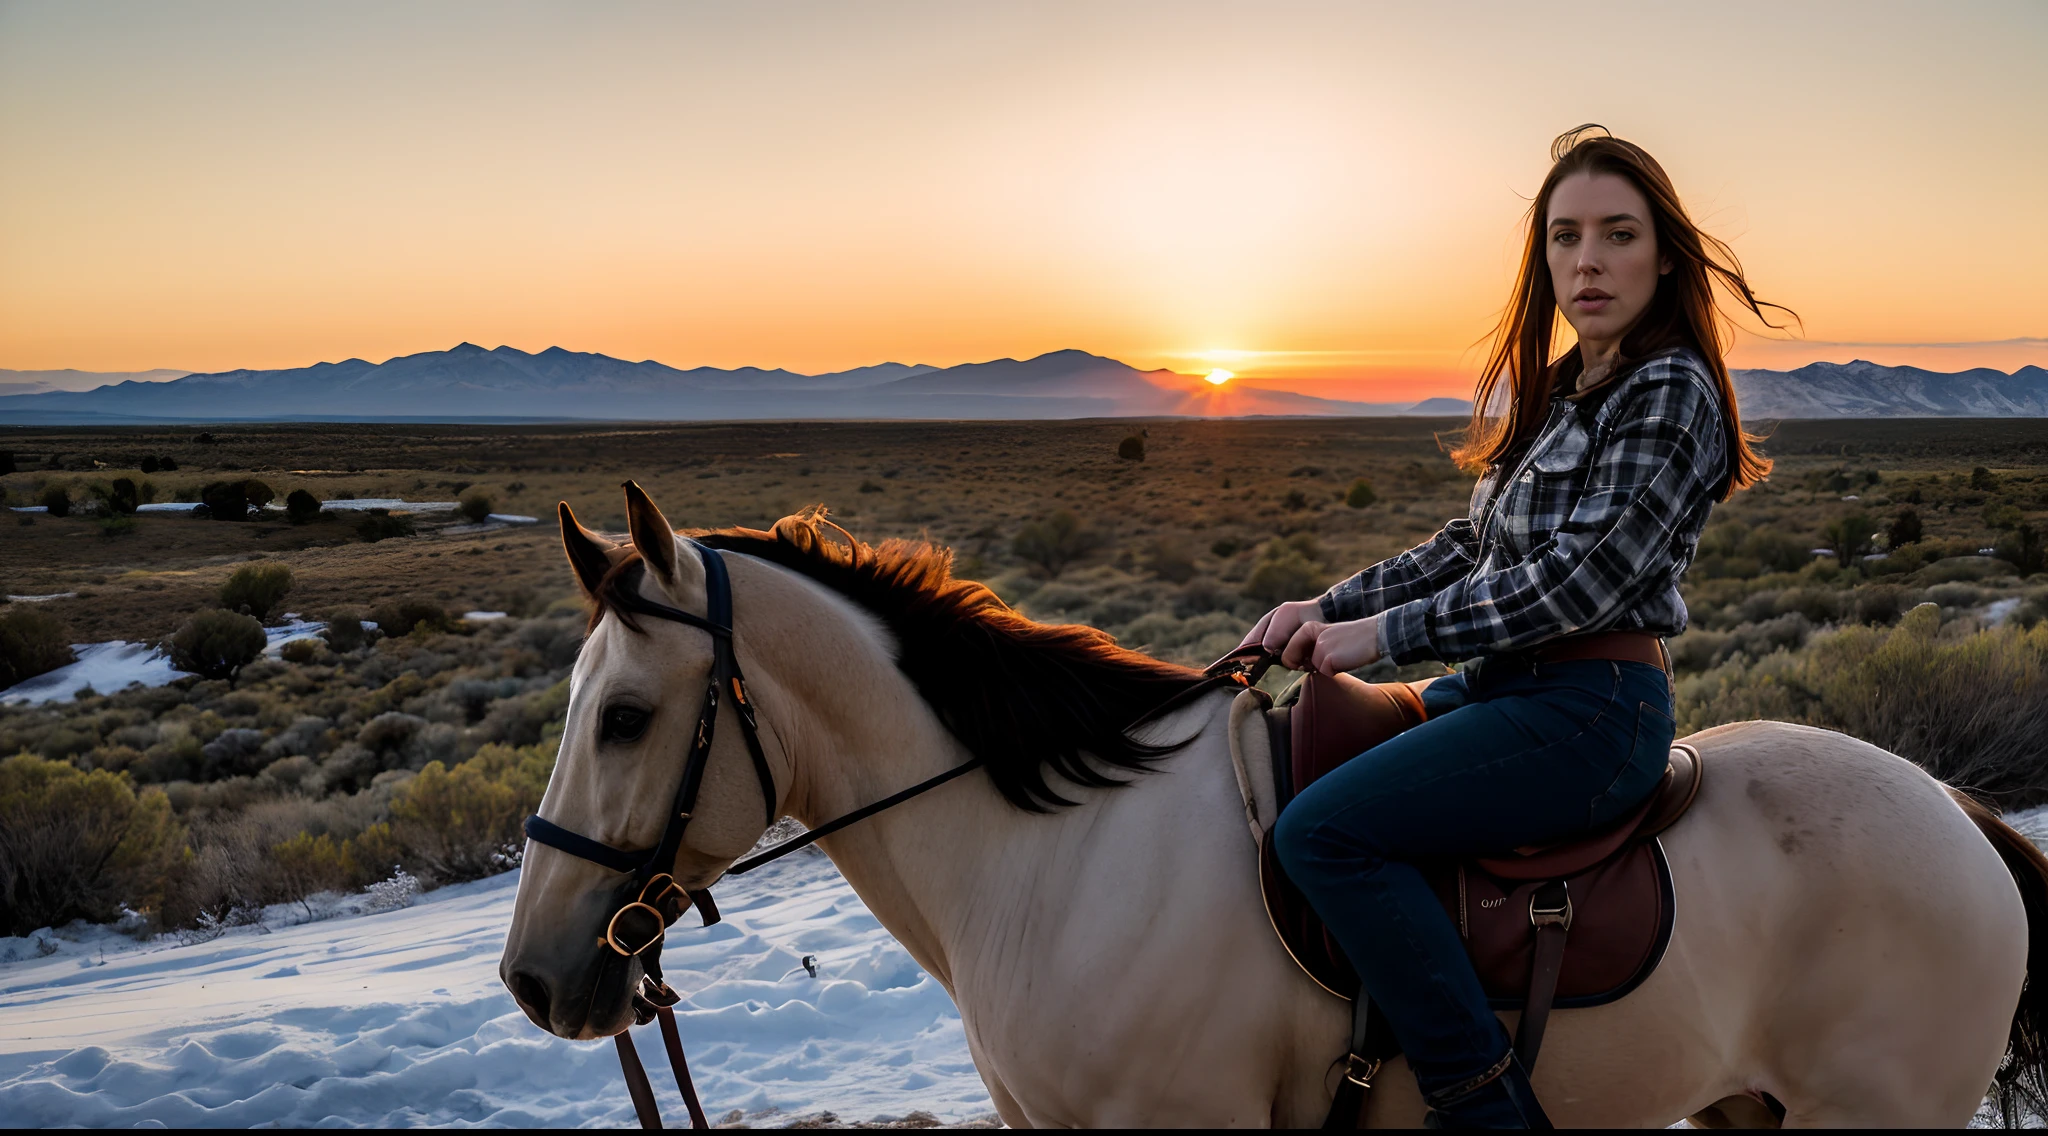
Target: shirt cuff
pixel 1404 633
pixel 1344 602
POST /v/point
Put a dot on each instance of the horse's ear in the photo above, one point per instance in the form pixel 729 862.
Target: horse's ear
pixel 651 533
pixel 589 553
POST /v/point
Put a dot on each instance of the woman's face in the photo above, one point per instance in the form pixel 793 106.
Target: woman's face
pixel 1603 256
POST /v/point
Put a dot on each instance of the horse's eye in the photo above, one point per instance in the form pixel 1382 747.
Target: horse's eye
pixel 625 723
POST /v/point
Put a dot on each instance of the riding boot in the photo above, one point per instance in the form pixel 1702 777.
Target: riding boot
pixel 1499 1098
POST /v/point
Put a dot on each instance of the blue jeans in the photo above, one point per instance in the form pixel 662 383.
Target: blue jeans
pixel 1514 753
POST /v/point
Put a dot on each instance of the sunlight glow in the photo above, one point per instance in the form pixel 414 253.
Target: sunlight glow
pixel 1219 376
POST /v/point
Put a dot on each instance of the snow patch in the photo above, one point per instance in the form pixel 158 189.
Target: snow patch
pixel 108 667
pixel 399 1018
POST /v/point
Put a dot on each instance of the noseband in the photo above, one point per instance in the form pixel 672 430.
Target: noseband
pixel 638 927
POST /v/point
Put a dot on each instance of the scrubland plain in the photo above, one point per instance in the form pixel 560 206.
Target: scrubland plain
pixel 1921 627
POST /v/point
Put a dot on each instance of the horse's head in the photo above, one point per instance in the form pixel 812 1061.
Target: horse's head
pixel 635 699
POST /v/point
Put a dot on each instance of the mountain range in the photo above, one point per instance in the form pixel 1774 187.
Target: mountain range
pixel 470 383
pixel 1861 389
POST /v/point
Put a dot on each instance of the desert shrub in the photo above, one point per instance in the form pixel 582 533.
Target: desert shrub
pixel 1905 529
pixel 458 824
pixel 306 737
pixel 236 752
pixel 530 719
pixel 257 493
pixel 57 499
pixel 403 617
pixel 344 633
pixel 1849 537
pixel 1360 495
pixel 300 651
pixel 1971 710
pixel 382 524
pixel 307 864
pixel 1957 594
pixel 122 496
pixel 78 845
pixel 167 464
pixel 1983 479
pixel 1880 604
pixel 1286 570
pixel 1294 500
pixel 1054 543
pixel 111 527
pixel 225 500
pixel 1132 448
pixel 1170 560
pixel 476 506
pixel 2022 549
pixel 32 642
pixel 259 587
pixel 217 644
pixel 1776 551
pixel 6 461
pixel 149 464
pixel 301 506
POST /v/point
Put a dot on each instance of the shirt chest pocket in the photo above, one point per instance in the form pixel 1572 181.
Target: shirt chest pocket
pixel 1549 485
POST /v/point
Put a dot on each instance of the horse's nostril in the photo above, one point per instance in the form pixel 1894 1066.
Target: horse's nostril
pixel 532 995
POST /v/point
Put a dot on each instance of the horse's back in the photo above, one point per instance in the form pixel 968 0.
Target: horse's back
pixel 1838 915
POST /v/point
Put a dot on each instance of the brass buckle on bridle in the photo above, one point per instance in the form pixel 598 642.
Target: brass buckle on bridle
pixel 1360 1071
pixel 656 898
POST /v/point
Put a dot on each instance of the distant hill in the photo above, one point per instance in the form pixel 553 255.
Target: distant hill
pixel 40 382
pixel 1861 389
pixel 470 383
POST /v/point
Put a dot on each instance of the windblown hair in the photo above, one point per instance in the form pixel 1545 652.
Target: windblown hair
pixel 1683 313
pixel 1024 697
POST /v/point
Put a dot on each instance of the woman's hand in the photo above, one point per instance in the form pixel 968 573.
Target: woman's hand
pixel 1333 648
pixel 1276 627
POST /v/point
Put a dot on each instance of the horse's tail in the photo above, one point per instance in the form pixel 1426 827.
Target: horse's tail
pixel 2023 1075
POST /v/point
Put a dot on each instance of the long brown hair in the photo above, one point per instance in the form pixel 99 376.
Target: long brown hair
pixel 1681 314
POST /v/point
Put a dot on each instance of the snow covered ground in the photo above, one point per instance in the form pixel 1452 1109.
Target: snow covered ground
pixel 399 1019
pixel 108 667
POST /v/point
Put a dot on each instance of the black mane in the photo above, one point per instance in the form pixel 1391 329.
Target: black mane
pixel 1022 696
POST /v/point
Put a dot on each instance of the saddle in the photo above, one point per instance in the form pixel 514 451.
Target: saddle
pixel 1573 924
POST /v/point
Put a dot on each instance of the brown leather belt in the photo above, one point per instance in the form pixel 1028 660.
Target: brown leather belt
pixel 1615 646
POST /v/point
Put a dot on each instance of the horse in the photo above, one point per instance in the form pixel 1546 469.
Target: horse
pixel 1853 941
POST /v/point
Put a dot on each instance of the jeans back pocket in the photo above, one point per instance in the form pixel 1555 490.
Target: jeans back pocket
pixel 1649 753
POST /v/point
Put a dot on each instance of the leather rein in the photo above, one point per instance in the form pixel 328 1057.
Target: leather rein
pixel 639 926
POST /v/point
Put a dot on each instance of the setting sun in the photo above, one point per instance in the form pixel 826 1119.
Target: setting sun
pixel 1219 376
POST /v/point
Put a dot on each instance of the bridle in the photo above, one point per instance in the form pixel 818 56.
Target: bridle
pixel 640 925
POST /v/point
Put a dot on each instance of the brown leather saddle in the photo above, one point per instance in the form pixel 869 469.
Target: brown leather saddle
pixel 1580 923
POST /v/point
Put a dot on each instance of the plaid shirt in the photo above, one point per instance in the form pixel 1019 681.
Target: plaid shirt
pixel 1599 519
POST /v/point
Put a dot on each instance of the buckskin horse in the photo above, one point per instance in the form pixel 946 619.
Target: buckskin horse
pixel 1853 941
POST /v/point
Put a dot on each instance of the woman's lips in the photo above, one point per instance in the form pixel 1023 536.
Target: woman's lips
pixel 1591 301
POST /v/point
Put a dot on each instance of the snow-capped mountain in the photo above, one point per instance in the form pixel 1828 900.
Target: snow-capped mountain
pixel 1863 390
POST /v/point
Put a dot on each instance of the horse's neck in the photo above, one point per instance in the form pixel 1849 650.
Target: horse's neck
pixel 924 867
pixel 960 875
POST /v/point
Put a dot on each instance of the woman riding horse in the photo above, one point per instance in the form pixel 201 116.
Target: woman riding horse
pixel 1601 466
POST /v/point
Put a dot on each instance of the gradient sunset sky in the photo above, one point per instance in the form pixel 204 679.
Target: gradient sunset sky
pixel 1324 195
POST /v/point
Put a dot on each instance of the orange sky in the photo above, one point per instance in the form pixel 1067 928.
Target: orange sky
pixel 1323 196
